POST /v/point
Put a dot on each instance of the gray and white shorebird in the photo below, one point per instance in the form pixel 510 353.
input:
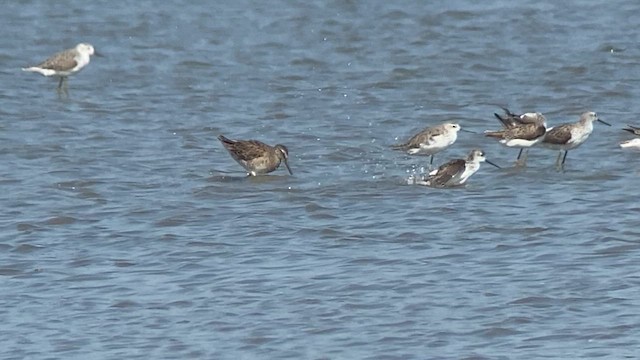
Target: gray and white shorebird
pixel 255 156
pixel 431 140
pixel 569 136
pixel 633 143
pixel 65 63
pixel 520 131
pixel 456 172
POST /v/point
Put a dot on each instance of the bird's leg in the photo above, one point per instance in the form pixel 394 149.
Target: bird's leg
pixel 565 156
pixel 524 158
pixel 558 158
pixel 62 86
pixel 431 163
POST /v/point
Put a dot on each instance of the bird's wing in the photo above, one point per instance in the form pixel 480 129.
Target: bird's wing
pixel 525 132
pixel 245 149
pixel 430 135
pixel 506 121
pixel 558 135
pixel 446 172
pixel 61 61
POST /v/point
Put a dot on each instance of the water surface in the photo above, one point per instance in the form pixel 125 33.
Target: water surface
pixel 129 232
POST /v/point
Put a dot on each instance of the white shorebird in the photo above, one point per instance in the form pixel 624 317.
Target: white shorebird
pixel 65 63
pixel 633 143
pixel 431 140
pixel 569 136
pixel 455 172
pixel 520 131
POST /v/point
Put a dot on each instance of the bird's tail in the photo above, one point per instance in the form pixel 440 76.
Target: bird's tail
pixel 495 134
pixel 509 113
pixel 507 120
pixel 45 72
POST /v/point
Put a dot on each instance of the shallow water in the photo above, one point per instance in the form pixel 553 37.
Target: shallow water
pixel 129 232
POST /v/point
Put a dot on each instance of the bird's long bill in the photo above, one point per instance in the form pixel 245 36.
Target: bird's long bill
pixel 286 163
pixel 604 122
pixel 469 131
pixel 95 53
pixel 489 162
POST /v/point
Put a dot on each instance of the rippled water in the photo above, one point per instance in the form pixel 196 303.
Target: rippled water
pixel 129 232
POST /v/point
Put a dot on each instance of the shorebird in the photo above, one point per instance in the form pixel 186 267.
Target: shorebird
pixel 255 156
pixel 431 140
pixel 520 131
pixel 65 63
pixel 569 136
pixel 456 172
pixel 633 143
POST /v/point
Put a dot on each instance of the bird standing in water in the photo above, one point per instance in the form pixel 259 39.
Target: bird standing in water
pixel 431 140
pixel 520 131
pixel 569 136
pixel 255 156
pixel 65 63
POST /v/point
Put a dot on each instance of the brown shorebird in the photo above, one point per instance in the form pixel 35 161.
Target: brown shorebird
pixel 520 131
pixel 255 156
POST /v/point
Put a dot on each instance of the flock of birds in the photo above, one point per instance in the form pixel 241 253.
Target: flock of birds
pixel 521 131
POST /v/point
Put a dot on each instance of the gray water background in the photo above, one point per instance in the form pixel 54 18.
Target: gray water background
pixel 128 232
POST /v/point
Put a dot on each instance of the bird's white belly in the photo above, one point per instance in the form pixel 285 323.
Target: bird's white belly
pixel 469 170
pixel 577 138
pixel 630 144
pixel 435 146
pixel 520 143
